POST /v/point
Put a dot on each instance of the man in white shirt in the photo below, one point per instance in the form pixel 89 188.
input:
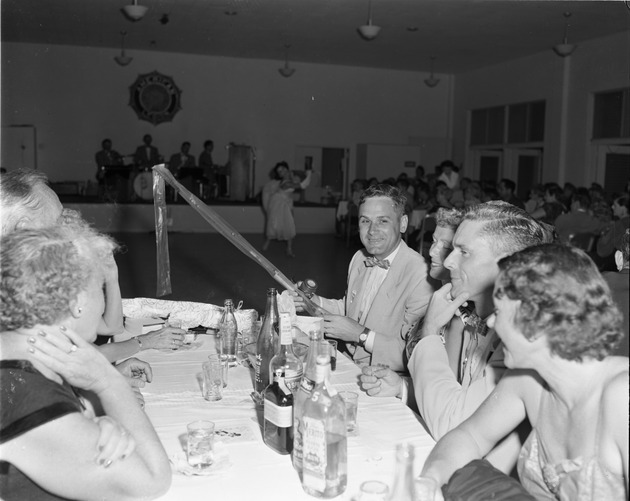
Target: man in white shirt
pixel 387 292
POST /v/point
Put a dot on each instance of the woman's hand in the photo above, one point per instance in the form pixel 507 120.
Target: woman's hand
pixel 114 442
pixel 166 338
pixel 69 355
pixel 380 381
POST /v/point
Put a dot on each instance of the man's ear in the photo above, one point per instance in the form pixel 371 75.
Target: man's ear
pixel 404 222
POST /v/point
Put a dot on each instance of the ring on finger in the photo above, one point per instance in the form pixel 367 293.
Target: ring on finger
pixel 73 348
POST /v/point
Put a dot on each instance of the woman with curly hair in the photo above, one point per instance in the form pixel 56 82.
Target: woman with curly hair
pixel 559 326
pixel 51 445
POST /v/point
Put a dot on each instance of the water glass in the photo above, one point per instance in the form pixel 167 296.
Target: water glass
pixel 200 446
pixel 425 489
pixel 351 399
pixel 333 354
pixel 213 378
pixel 373 490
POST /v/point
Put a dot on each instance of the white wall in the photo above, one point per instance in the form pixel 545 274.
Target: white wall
pixel 597 65
pixel 78 96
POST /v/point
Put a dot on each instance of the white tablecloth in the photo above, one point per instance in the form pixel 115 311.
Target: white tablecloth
pixel 251 470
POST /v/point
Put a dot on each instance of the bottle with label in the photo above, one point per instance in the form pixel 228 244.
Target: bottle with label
pixel 267 342
pixel 228 332
pixel 285 358
pixel 278 414
pixel 404 487
pixel 307 384
pixel 324 442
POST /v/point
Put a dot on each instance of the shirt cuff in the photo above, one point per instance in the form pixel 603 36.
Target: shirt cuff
pixel 369 342
pixel 404 390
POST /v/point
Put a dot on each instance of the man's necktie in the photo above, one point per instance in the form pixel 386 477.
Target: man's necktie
pixel 374 261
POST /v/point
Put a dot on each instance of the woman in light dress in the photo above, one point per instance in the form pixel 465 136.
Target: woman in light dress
pixel 277 201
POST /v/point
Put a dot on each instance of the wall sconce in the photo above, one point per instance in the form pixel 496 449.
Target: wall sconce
pixel 134 11
pixel 432 81
pixel 565 49
pixel 123 59
pixel 369 31
pixel 286 71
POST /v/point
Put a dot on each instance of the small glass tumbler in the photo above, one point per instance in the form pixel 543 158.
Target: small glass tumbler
pixel 425 488
pixel 333 354
pixel 351 399
pixel 200 444
pixel 213 378
pixel 373 490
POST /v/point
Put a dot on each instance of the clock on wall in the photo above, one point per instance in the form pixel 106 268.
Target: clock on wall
pixel 155 97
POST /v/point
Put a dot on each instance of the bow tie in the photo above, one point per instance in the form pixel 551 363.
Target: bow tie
pixel 374 261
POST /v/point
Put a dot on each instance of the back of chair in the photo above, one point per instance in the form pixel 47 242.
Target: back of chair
pixel 429 223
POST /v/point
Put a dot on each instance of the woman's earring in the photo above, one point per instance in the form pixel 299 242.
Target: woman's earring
pixel 80 310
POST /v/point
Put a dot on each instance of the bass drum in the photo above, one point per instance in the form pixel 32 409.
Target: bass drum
pixel 143 185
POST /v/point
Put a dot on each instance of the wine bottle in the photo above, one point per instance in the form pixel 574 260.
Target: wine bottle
pixel 324 442
pixel 228 331
pixel 266 344
pixel 278 414
pixel 307 384
pixel 404 488
pixel 285 358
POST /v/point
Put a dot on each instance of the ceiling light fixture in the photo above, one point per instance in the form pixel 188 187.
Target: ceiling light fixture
pixel 565 49
pixel 134 11
pixel 432 81
pixel 369 31
pixel 286 71
pixel 123 59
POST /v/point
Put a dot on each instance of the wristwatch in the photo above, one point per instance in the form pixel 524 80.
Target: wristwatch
pixel 363 337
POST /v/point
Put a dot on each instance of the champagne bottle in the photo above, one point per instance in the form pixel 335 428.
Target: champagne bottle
pixel 307 384
pixel 285 358
pixel 278 414
pixel 228 331
pixel 266 344
pixel 324 443
pixel 404 488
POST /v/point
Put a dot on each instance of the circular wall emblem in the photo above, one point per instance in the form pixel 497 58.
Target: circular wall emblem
pixel 155 98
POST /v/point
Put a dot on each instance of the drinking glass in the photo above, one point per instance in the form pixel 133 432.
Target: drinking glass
pixel 351 399
pixel 373 490
pixel 213 378
pixel 425 489
pixel 333 354
pixel 200 444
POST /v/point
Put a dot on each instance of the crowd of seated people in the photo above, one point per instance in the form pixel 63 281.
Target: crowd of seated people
pixel 587 217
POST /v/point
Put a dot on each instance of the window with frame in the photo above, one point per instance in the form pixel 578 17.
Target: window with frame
pixel 520 123
pixel 611 114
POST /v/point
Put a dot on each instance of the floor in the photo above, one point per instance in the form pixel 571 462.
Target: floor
pixel 207 268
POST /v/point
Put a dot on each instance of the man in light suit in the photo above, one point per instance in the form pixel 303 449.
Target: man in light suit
pixel 387 292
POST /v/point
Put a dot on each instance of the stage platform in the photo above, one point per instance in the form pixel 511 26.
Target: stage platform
pixel 245 218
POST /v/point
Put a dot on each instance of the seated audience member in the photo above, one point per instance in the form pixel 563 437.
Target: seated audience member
pixel 52 301
pixel 357 188
pixel 559 326
pixel 419 176
pixel 612 235
pixel 600 206
pixel 506 189
pixel 578 220
pixel 181 159
pixel 619 284
pixel 472 194
pixel 422 199
pixel 387 292
pixel 568 191
pixel 459 359
pixel 27 201
pixel 552 207
pixel 536 199
pixel 448 174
